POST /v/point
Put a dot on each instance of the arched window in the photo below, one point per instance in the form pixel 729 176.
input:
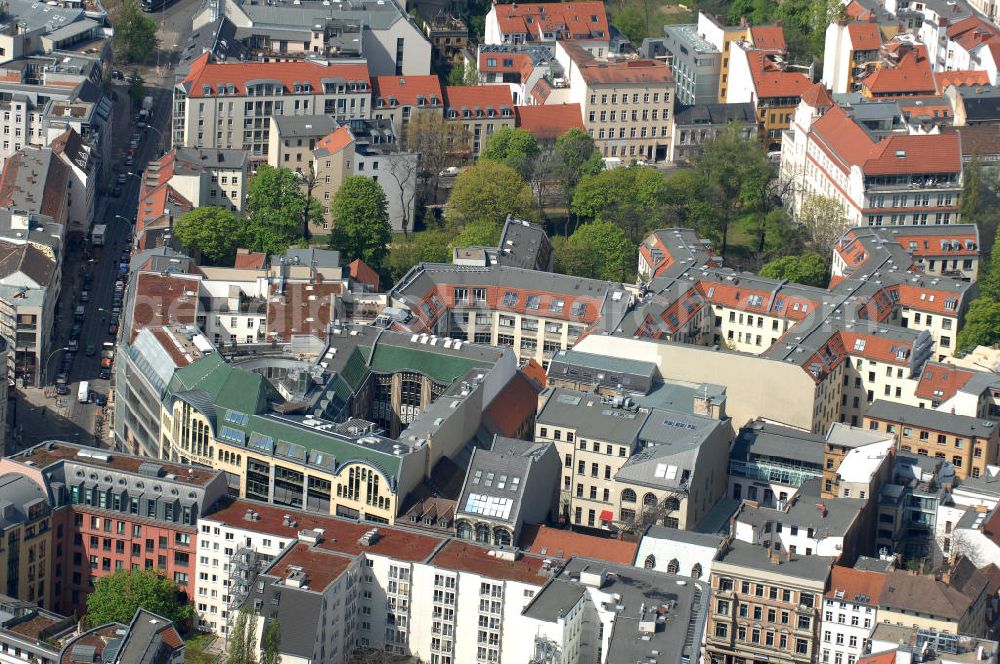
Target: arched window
pixel 462 529
pixel 649 500
pixel 501 537
pixel 671 504
pixel 650 562
pixel 673 566
pixel 482 533
pixel 696 571
pixel 628 496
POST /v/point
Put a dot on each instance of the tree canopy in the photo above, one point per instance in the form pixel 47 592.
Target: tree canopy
pixel 270 648
pixel 808 268
pixel 276 207
pixel 361 221
pixel 242 645
pixel 135 33
pixel 825 220
pixel 597 250
pixel 630 197
pixel 116 598
pixel 212 231
pixel 982 324
pixel 489 191
pixel 479 233
pixel 514 147
pixel 427 246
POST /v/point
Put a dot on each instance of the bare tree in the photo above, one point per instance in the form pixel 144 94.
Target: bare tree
pixel 825 220
pixel 401 170
pixel 546 169
pixel 309 181
pixel 959 544
pixel 439 142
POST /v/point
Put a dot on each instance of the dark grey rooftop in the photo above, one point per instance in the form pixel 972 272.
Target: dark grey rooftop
pixel 715 114
pixel 576 365
pixel 496 479
pixel 869 564
pixel 555 599
pixel 836 518
pixel 677 607
pixel 752 556
pixel 525 245
pixel 926 418
pixel 588 414
pixel 765 439
pixel 17 494
pixel 672 445
pixel 191 160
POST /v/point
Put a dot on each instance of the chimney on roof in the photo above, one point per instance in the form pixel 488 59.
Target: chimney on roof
pixel 822 509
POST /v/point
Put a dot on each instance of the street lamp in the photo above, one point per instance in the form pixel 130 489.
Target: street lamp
pixel 45 378
pixel 158 133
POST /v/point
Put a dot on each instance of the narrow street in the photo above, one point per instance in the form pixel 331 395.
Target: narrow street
pixel 38 414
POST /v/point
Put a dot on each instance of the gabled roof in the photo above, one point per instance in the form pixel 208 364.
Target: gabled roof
pixel 818 96
pixel 564 544
pixel 549 122
pixel 768 38
pixel 405 90
pixel 771 81
pixel 333 143
pixel 205 78
pixel 855 585
pixel 515 404
pixel 617 70
pixel 865 36
pixel 945 78
pixel 250 260
pixel 360 271
pixel 911 75
pixel 940 382
pixel 573 20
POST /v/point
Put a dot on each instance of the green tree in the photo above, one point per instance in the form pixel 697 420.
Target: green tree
pixel 271 643
pixel 632 197
pixel 577 157
pixel 428 246
pixel 361 222
pixel 489 191
pixel 970 202
pixel 808 268
pixel 989 273
pixel 275 208
pixel 135 33
pixel 514 147
pixel 463 75
pixel 736 175
pixel 212 231
pixel 242 646
pixel 982 324
pixel 115 598
pixel 825 220
pixel 136 88
pixel 597 250
pixel 632 23
pixel 478 233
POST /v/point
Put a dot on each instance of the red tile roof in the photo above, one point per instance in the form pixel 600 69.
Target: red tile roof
pixel 303 309
pixel 250 260
pixel 882 658
pixel 911 75
pixel 340 535
pixel 865 36
pixel 520 63
pixel 467 557
pixel 768 38
pixel 556 543
pixel 853 585
pixel 163 300
pixel 946 78
pixel 618 70
pixel 239 74
pixel 514 405
pixel 550 121
pixel 483 97
pixel 406 89
pixel 771 81
pixel 335 141
pixel 971 31
pixel 848 144
pixel 855 10
pixel 941 381
pixel 321 567
pixel 535 371
pixel 573 20
pixel 360 271
pixel 818 96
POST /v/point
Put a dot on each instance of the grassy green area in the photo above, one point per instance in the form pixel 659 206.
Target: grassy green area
pixel 638 19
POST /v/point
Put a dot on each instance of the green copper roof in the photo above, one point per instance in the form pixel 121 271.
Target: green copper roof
pixel 437 366
pixel 229 387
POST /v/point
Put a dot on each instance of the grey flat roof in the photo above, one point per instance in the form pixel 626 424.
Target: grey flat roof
pixel 291 126
pixel 555 598
pixel 580 359
pixel 678 605
pixel 587 414
pixel 926 418
pixel 686 536
pixel 777 441
pixel 811 568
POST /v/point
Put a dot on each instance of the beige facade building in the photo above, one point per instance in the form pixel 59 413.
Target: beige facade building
pixel 627 105
pixel 626 467
pixel 766 605
pixel 230 105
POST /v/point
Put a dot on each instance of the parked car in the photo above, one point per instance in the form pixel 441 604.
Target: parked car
pixel 117 75
pixel 116 192
pixel 113 328
pixel 104 374
pixel 121 178
pixel 73 344
pixel 85 296
pixel 100 399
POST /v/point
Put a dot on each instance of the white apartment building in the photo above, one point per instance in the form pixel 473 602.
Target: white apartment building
pixel 900 179
pixel 207 176
pixel 230 105
pixel 850 614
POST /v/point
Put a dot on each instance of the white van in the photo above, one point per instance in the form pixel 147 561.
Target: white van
pixel 83 394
